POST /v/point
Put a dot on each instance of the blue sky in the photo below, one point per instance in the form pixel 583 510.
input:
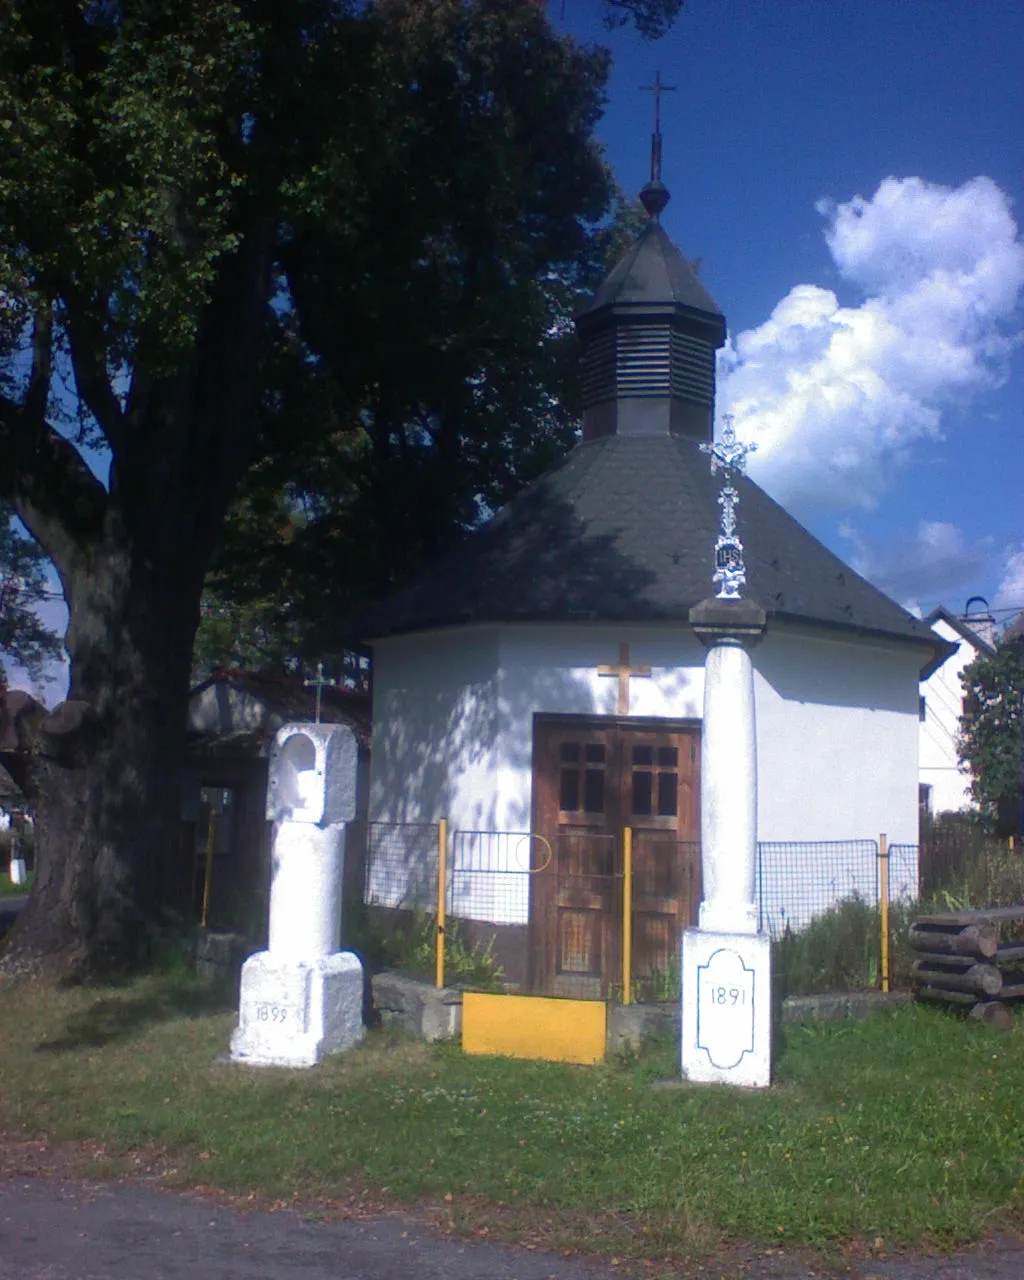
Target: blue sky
pixel 882 377
pixel 875 350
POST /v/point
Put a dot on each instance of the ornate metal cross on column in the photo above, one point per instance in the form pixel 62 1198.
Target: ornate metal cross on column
pixel 730 457
pixel 320 682
pixel 623 671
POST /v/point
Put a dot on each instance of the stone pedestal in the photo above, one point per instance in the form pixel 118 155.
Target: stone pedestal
pixel 302 997
pixel 293 1012
pixel 726 963
pixel 727 1008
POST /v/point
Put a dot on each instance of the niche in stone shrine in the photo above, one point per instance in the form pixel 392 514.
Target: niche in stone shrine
pixel 312 774
pixel 296 787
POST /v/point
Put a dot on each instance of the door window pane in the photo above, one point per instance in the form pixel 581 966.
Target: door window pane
pixel 642 793
pixel 668 794
pixel 569 791
pixel 593 791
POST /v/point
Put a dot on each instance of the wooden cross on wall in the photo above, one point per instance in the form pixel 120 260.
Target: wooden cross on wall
pixel 623 671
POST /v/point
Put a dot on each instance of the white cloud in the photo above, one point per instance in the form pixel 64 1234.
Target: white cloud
pixel 1010 592
pixel 934 564
pixel 836 396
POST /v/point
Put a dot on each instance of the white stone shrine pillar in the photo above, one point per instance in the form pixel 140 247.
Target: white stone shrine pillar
pixel 726 962
pixel 302 997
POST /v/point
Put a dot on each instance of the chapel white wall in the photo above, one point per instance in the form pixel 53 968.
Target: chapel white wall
pixel 837 732
pixel 943 701
pixel 836 719
pixel 435 727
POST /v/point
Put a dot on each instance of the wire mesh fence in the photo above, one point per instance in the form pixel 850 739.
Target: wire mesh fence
pixel 550 913
pixel 401 868
pixel 799 881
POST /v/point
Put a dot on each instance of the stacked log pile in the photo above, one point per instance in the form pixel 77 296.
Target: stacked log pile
pixel 962 962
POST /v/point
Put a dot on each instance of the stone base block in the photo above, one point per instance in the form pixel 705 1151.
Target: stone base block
pixel 727 1008
pixel 417 1007
pixel 292 1013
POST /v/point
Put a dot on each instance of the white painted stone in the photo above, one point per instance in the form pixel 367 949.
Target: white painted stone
pixel 18 871
pixel 292 1013
pixel 728 791
pixel 726 1012
pixel 305 890
pixel 311 774
pixel 303 998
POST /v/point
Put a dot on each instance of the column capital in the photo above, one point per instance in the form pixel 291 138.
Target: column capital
pixel 715 620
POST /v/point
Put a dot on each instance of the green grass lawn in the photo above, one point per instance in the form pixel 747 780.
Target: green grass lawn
pixel 907 1127
pixel 7 889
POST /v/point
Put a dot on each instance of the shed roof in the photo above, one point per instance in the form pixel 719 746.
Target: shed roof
pixel 624 531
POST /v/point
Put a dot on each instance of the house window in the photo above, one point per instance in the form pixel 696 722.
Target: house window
pixel 924 798
pixel 922 708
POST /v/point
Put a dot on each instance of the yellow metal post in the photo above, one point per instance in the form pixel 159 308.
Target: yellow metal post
pixel 442 880
pixel 883 893
pixel 627 916
pixel 211 841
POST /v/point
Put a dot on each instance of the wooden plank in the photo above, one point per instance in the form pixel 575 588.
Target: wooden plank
pixel 984 978
pixel 1009 953
pixel 955 962
pixel 975 939
pixel 949 997
pixel 993 1013
pixel 993 915
pixel 534 1027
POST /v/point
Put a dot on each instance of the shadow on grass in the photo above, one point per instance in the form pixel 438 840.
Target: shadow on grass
pixel 118 1017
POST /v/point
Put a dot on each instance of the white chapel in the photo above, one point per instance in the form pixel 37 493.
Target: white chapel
pixel 544 676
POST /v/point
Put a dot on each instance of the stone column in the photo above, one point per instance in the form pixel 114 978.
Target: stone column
pixel 726 1013
pixel 302 997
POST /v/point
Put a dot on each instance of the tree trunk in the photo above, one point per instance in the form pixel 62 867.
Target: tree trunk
pixel 104 770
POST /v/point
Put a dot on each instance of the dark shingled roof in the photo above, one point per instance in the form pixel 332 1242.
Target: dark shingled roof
pixel 625 531
pixel 653 273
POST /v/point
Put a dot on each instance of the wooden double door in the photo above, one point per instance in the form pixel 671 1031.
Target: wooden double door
pixel 592 778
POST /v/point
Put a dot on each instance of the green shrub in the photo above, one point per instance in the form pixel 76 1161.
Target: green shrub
pixel 407 941
pixel 839 950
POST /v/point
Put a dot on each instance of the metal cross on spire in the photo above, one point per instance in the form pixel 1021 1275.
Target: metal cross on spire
pixel 320 682
pixel 729 456
pixel 657 89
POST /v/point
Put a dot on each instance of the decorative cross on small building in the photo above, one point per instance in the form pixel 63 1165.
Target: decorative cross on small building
pixel 729 456
pixel 623 672
pixel 657 89
pixel 320 682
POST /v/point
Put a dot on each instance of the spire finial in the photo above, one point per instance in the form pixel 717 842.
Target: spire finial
pixel 655 195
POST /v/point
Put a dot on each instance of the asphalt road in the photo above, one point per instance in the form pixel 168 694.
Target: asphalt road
pixel 53 1229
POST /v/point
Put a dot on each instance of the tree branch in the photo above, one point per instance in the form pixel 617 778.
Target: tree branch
pixel 91 378
pixel 49 485
pixel 38 394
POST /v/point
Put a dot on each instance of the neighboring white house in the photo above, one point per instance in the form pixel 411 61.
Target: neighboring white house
pixel 944 787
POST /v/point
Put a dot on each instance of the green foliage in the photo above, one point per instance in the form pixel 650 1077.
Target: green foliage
pixel 24 639
pixel 659 984
pixel 839 950
pixel 991 739
pixel 407 941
